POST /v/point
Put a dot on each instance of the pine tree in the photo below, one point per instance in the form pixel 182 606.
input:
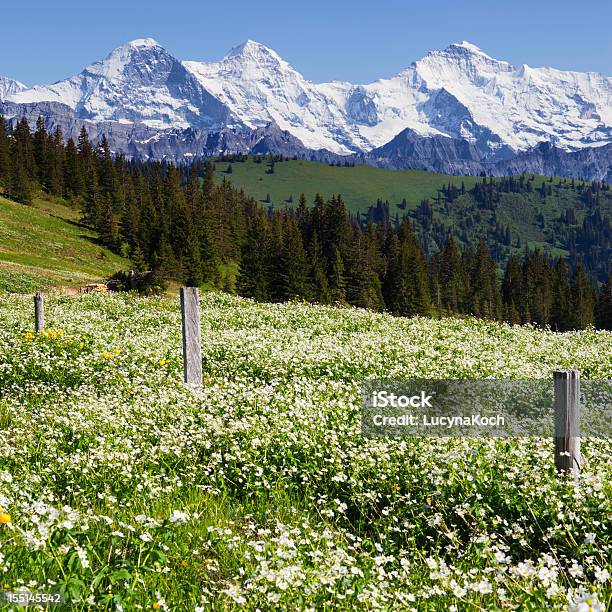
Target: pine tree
pixel 209 179
pixel 560 310
pixel 56 163
pixel 364 288
pixel 603 311
pixel 73 175
pixel 292 274
pixel 318 278
pixel 512 291
pixel 138 260
pixel 392 285
pixel 452 286
pixel 193 261
pixel 108 227
pixel 484 297
pixel 253 271
pixel 537 286
pixel 40 151
pixel 5 152
pixel 20 186
pixel 337 280
pixel 581 300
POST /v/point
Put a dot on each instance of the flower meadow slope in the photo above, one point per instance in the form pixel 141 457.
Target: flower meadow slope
pixel 124 489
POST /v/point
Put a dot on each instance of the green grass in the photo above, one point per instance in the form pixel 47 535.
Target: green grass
pixel 360 186
pixel 121 486
pixel 43 245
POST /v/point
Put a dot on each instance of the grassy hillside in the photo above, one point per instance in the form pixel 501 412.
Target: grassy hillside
pixel 43 245
pixel 529 217
pixel 360 186
pixel 121 486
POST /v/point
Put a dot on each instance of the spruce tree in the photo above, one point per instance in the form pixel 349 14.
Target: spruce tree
pixel 5 153
pixel 484 298
pixel 560 309
pixel 603 311
pixel 318 277
pixel 253 277
pixel 512 290
pixel 337 280
pixel 581 300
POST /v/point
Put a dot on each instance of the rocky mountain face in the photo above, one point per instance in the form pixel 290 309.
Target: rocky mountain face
pixel 408 150
pixel 589 163
pixel 456 110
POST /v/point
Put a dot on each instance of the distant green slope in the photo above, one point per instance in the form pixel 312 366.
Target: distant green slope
pixel 43 245
pixel 360 186
pixel 533 216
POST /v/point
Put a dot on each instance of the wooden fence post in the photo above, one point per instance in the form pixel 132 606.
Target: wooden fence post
pixel 567 421
pixel 39 312
pixel 192 352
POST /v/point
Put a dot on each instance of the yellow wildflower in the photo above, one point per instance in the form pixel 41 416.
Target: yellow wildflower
pixel 162 362
pixel 5 518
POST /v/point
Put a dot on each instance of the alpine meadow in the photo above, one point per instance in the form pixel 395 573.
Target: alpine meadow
pixel 212 269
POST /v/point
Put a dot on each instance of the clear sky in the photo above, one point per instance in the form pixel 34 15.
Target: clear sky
pixel 42 42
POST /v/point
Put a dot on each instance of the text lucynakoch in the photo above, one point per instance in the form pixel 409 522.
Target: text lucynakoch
pixel 425 420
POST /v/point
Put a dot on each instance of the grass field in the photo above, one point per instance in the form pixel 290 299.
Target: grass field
pixel 126 490
pixel 360 186
pixel 43 245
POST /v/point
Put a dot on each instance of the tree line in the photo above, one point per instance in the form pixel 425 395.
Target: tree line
pixel 178 222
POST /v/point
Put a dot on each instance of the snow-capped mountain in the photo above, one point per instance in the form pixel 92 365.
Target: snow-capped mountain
pixel 259 87
pixel 9 87
pixel 138 82
pixel 459 92
pixel 474 108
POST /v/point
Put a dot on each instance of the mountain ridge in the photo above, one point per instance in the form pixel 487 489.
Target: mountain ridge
pixel 475 110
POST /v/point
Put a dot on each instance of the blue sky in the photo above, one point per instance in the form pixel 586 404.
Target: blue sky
pixel 333 39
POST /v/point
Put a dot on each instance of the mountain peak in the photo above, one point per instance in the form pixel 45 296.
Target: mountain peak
pixel 142 42
pixel 136 54
pixel 252 49
pixel 464 53
pixel 9 87
pixel 467 46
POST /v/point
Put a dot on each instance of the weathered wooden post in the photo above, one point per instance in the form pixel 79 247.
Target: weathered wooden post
pixel 192 352
pixel 567 421
pixel 39 312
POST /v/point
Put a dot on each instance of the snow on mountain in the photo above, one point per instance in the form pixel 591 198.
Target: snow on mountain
pixel 138 82
pixel 260 87
pixel 521 105
pixel 459 92
pixel 9 87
